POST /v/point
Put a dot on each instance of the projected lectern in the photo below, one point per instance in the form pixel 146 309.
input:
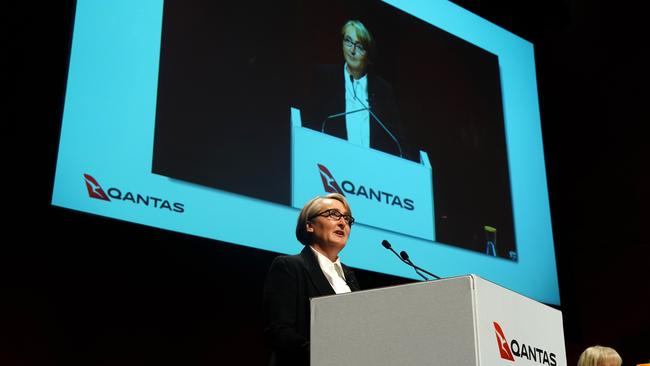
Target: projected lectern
pixel 386 191
pixel 455 321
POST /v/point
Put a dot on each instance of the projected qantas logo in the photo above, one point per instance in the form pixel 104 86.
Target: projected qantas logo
pixel 330 185
pixel 521 350
pixel 96 191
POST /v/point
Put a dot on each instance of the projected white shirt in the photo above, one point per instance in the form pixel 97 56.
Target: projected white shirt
pixel 333 272
pixel 358 123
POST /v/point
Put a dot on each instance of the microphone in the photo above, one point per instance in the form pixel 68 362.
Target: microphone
pixel 406 258
pixel 322 126
pixel 387 245
pixel 365 107
pixel 332 116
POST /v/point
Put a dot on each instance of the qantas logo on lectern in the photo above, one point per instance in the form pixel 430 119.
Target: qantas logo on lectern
pixel 94 189
pixel 521 350
pixel 504 349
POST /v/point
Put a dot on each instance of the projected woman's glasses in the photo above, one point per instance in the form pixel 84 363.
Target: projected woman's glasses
pixel 347 41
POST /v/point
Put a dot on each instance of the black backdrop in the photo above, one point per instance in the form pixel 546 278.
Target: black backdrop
pixel 85 290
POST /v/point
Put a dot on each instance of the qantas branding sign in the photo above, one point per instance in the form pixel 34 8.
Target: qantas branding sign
pixel 329 183
pixel 96 191
pixel 521 350
pixel 504 349
pixel 359 190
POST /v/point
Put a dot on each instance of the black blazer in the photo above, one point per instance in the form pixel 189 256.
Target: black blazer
pixel 327 97
pixel 290 283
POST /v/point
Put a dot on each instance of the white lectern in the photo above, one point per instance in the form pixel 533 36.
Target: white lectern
pixel 459 321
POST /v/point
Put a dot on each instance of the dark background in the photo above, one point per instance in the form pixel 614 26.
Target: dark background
pixel 86 290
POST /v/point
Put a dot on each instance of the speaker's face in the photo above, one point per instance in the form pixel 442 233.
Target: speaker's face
pixel 354 53
pixel 328 232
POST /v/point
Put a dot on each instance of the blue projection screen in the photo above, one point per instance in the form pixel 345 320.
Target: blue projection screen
pixel 122 93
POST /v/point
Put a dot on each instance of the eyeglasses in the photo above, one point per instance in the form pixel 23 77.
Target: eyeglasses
pixel 349 43
pixel 335 215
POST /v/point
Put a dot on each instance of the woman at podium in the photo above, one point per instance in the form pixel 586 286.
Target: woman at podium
pixel 323 227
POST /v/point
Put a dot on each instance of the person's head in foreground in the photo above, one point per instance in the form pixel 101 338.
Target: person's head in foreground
pixel 600 356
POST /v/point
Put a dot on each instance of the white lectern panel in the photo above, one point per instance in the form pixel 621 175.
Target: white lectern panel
pixel 454 321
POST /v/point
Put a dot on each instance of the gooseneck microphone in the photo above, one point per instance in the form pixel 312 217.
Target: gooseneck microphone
pixel 387 245
pixel 365 108
pixel 322 126
pixel 406 258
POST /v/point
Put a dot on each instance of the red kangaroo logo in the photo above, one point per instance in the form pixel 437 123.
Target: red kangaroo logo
pixel 94 189
pixel 504 349
pixel 329 183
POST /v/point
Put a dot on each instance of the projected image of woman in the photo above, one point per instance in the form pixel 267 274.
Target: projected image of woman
pixel 323 228
pixel 352 102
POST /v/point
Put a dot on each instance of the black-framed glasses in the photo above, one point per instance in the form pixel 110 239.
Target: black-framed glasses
pixel 335 215
pixel 349 43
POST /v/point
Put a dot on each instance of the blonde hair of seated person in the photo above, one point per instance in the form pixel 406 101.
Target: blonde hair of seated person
pixel 600 356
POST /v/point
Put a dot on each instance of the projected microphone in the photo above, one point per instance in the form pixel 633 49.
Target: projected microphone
pixel 387 245
pixel 406 258
pixel 365 107
pixel 322 126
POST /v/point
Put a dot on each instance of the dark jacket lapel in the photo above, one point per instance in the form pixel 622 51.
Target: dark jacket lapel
pixel 315 273
pixel 350 278
pixel 318 278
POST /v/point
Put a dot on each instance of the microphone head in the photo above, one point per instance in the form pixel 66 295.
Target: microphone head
pixel 386 244
pixel 404 255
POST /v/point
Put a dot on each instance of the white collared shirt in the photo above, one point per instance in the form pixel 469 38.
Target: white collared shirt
pixel 333 272
pixel 358 123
